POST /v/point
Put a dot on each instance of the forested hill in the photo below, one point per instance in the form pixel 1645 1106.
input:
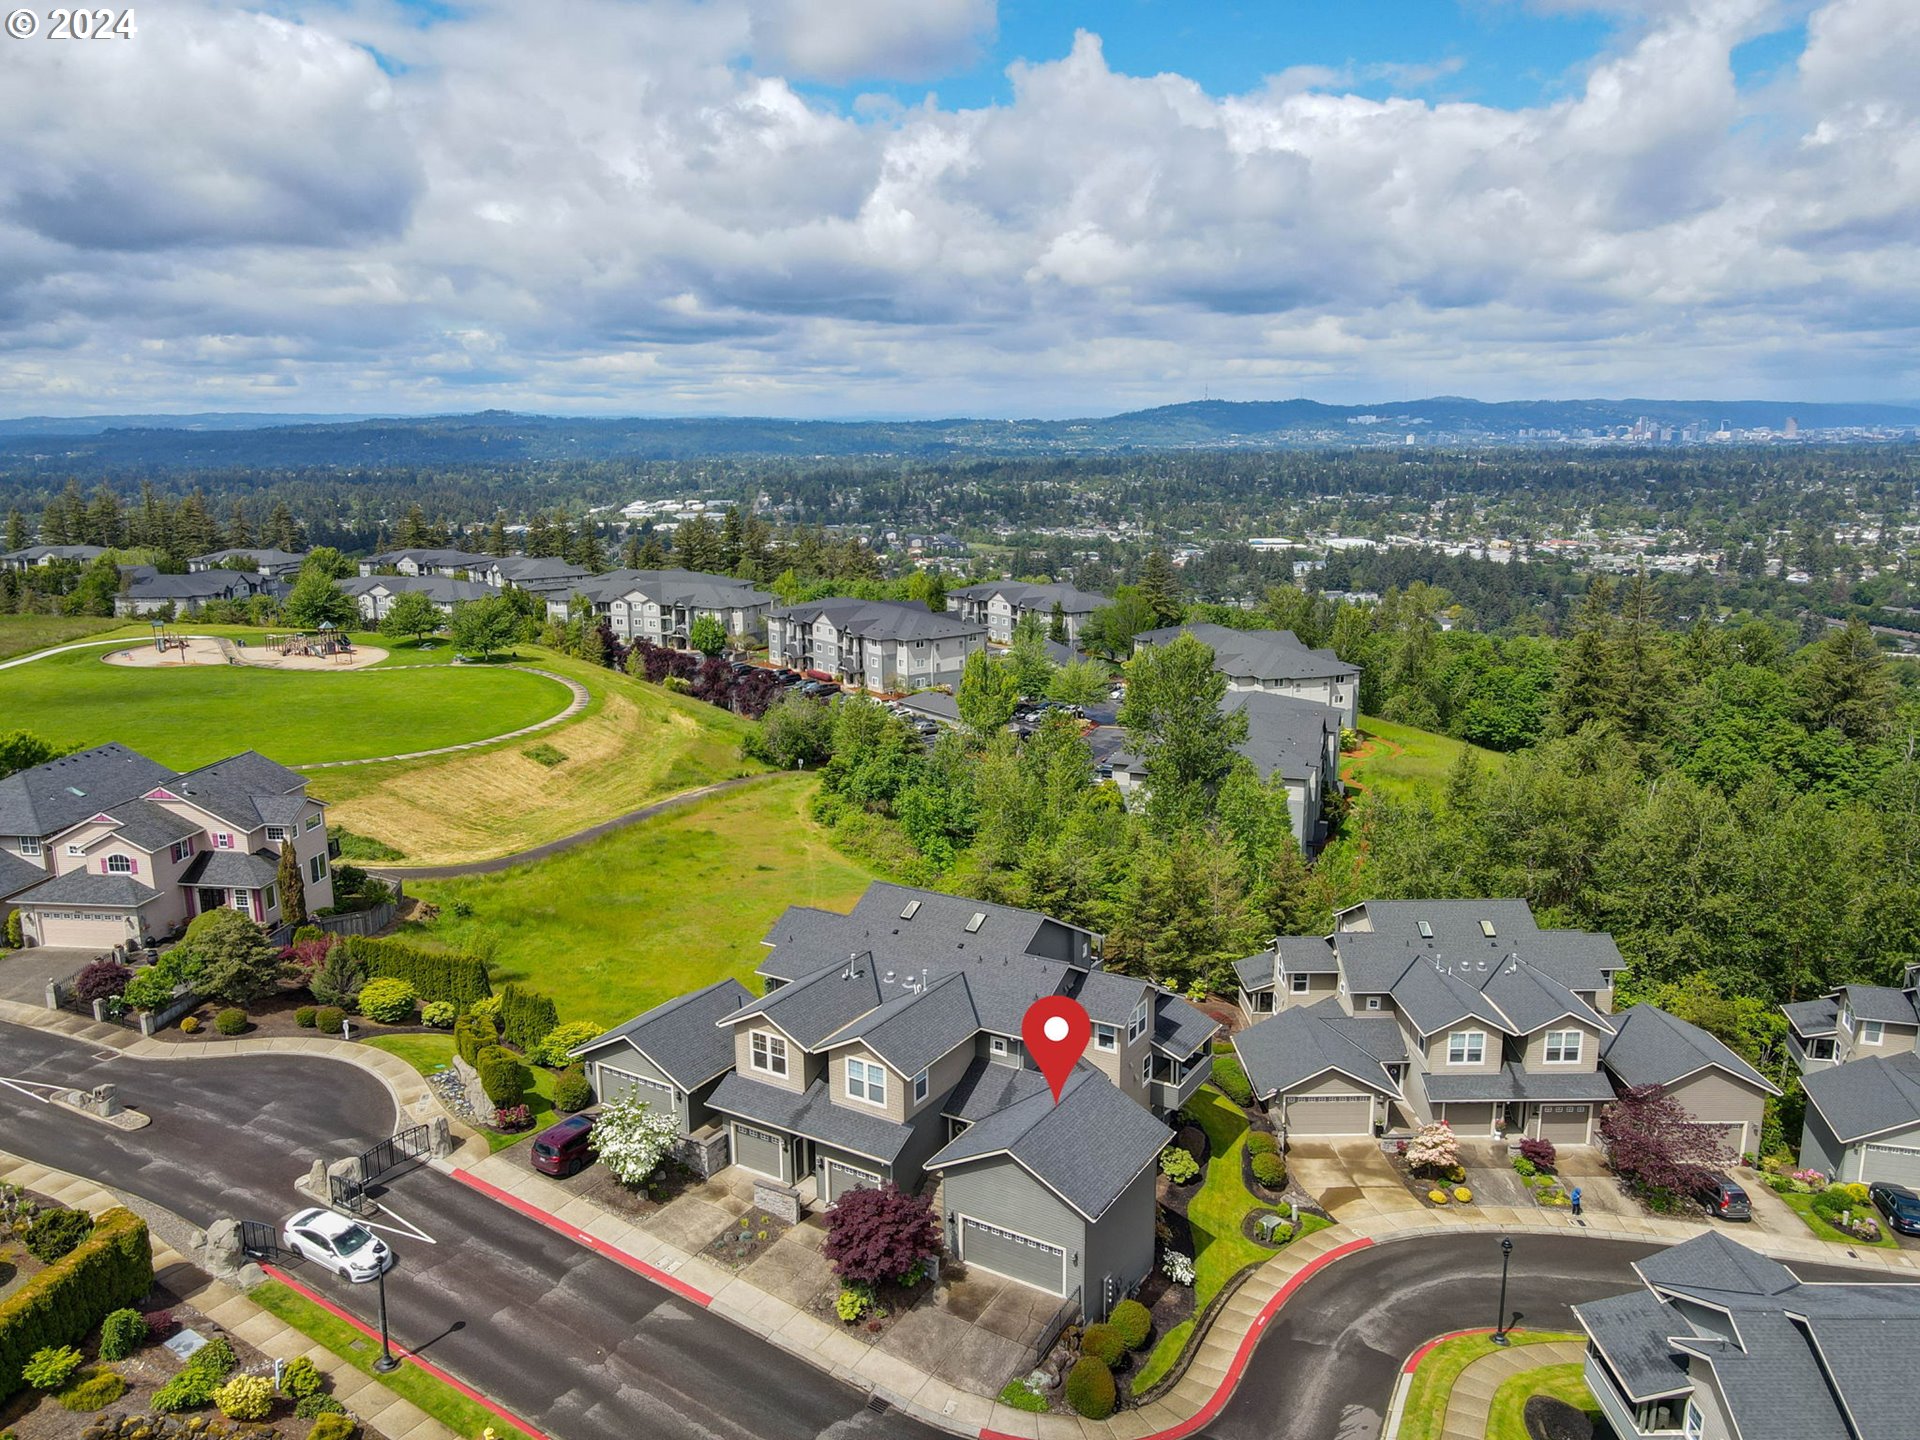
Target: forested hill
pixel 40 445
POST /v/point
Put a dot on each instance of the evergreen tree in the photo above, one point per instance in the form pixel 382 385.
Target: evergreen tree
pixel 282 533
pixel 540 537
pixel 193 531
pixel 561 542
pixel 1843 685
pixel 1057 624
pixel 1589 688
pixel 653 555
pixel 1642 670
pixel 1160 588
pixel 105 523
pixel 239 532
pixel 16 530
pixel 293 889
pixel 732 541
pixel 630 552
pixel 497 537
pixel 587 552
pixel 413 530
pixel 696 545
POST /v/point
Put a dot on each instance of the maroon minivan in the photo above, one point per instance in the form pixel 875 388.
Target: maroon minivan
pixel 562 1149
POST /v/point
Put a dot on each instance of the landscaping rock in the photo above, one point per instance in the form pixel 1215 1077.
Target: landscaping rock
pixel 1547 1418
pixel 218 1249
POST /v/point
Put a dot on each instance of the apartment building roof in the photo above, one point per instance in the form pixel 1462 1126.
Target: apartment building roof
pixel 1072 601
pixel 691 588
pixel 880 619
pixel 1257 654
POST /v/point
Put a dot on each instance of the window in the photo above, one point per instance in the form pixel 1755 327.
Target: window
pixel 238 900
pixel 313 822
pixel 1137 1025
pixel 181 849
pixel 866 1081
pixel 913 908
pixel 1105 1037
pixel 998 1044
pixel 919 1087
pixel 769 1053
pixel 1426 930
pixel 317 868
pixel 1563 1047
pixel 1373 1002
pixel 1466 1047
pixel 29 844
pixel 979 919
pixel 1146 1068
pixel 270 897
pixel 276 832
pixel 1486 928
pixel 119 865
pixel 1297 984
pixel 1871 1032
pixel 222 840
pixel 1696 1422
pixel 1846 1013
pixel 73 849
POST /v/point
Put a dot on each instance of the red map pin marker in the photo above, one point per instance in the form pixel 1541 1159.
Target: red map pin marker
pixel 1056 1030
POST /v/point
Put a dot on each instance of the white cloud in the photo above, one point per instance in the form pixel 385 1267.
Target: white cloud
pixel 635 210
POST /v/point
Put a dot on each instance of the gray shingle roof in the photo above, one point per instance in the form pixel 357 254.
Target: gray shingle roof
pixel 452 559
pixel 881 619
pixel 812 1008
pixel 683 1037
pixel 1813 1017
pixel 1513 1082
pixel 1257 654
pixel 259 557
pixel 1631 1332
pixel 151 827
pixel 1034 597
pixel 232 869
pixel 1285 736
pixel 17 874
pixel 1774 1388
pixel 45 799
pixel 1299 1044
pixel 34 554
pixel 912 1031
pixel 1651 1047
pixel 1307 955
pixel 1713 1262
pixel 1087 1149
pixel 1108 999
pixel 78 887
pixel 811 1113
pixel 232 788
pixel 1256 971
pixel 1867 1097
pixel 987 1088
pixel 200 585
pixel 1881 1002
pixel 934 705
pixel 1179 1029
pixel 1854 1352
pixel 440 589
pixel 689 588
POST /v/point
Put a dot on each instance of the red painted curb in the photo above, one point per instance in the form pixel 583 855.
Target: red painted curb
pixel 581 1237
pixel 1238 1367
pixel 427 1365
pixel 1413 1360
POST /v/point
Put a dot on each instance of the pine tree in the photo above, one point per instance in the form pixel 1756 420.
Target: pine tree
pixel 562 539
pixel 1588 688
pixel 16 530
pixel 413 530
pixel 587 552
pixel 194 531
pixel 293 890
pixel 239 532
pixel 1843 685
pixel 105 524
pixel 1160 587
pixel 630 552
pixel 1057 624
pixel 282 533
pixel 1643 672
pixel 653 555
pixel 732 540
pixel 497 537
pixel 539 537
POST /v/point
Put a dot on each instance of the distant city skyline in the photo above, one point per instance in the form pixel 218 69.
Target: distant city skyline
pixel 861 208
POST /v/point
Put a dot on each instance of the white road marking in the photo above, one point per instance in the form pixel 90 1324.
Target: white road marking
pixel 27 1087
pixel 405 1227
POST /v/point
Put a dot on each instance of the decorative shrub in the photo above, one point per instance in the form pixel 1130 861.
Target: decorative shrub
pixel 245 1397
pixel 1463 1195
pixel 1105 1343
pixel 1438 1197
pixel 852 1302
pixel 488 1004
pixel 1090 1388
pixel 329 1019
pixel 1434 1150
pixel 1133 1321
pixel 1540 1153
pixel 334 1426
pixel 434 975
pixel 1232 1080
pixel 55 1233
pixel 309 1406
pixel 1177 1267
pixel 571 1091
pixel 51 1367
pixel 552 1051
pixel 159 1323
pixel 190 1025
pixel 301 1378
pixel 527 1017
pixel 1855 1192
pixel 216 1358
pixel 440 1014
pixel 500 1077
pixel 1524 1167
pixel 1178 1166
pixel 1270 1171
pixel 513 1118
pixel 102 980
pixel 387 1000
pixel 92 1390
pixel 121 1333
pixel 230 1021
pixel 306 1016
pixel 473 1033
pixel 876 1235
pixel 189 1390
pixel 1261 1143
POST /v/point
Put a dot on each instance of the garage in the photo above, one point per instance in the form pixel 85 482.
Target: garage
pixel 81 930
pixel 837 1178
pixel 1899 1163
pixel 1031 1262
pixel 1564 1124
pixel 1329 1115
pixel 611 1082
pixel 760 1151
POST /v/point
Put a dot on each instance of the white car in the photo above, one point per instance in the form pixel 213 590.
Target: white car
pixel 343 1246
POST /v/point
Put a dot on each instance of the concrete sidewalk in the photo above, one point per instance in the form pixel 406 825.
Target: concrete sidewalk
pixel 1471 1400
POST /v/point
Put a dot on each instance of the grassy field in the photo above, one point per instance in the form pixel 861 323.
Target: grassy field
pixel 22 634
pixel 439 1399
pixel 190 715
pixel 617 926
pixel 1507 1418
pixel 1398 762
pixel 1432 1384
pixel 428 1053
pixel 633 744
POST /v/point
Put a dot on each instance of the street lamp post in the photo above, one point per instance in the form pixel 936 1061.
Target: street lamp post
pixel 386 1364
pixel 1499 1320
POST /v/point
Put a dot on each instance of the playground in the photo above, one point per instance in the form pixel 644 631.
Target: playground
pixel 324 651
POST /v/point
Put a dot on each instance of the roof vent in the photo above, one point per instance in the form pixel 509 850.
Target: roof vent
pixel 1486 928
pixel 979 919
pixel 75 790
pixel 888 977
pixel 913 908
pixel 1426 930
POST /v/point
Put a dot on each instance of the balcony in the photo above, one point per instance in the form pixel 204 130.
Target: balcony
pixel 1627 1418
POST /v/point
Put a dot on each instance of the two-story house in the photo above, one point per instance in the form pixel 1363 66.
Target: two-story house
pixel 1725 1344
pixel 261 560
pixel 1465 1011
pixel 1002 604
pixel 660 606
pixel 1274 662
pixel 148 594
pixel 886 1048
pixel 454 564
pixel 882 646
pixel 1858 1066
pixel 128 851
pixel 373 595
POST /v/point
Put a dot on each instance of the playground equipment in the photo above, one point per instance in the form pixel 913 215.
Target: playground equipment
pixel 328 644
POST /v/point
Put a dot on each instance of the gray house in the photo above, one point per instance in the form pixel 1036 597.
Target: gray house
pixel 1855 1022
pixel 660 606
pixel 373 595
pixel 887 1049
pixel 1276 663
pixel 1001 604
pixel 1863 1120
pixel 262 560
pixel 1725 1344
pixel 1651 1047
pixel 882 646
pixel 35 556
pixel 149 594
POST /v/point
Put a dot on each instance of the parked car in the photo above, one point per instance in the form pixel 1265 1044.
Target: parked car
pixel 562 1150
pixel 1724 1198
pixel 346 1247
pixel 1898 1203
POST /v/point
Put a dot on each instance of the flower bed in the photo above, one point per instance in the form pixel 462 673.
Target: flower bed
pixel 745 1240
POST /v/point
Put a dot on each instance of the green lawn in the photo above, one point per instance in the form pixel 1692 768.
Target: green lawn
pixel 1216 1213
pixel 1427 1395
pixel 1401 761
pixel 1507 1418
pixel 617 926
pixel 428 1053
pixel 190 715
pixel 1802 1205
pixel 23 634
pixel 410 1382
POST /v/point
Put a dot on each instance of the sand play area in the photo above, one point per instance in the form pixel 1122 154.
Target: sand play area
pixel 206 650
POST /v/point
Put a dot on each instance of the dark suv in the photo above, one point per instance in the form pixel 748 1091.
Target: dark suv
pixel 562 1150
pixel 1724 1199
pixel 1899 1204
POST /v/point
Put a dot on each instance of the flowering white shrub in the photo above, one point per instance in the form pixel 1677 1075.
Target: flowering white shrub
pixel 632 1138
pixel 1436 1147
pixel 1178 1267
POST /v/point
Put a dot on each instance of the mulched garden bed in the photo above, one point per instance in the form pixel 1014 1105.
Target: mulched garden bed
pixel 744 1240
pixel 890 1303
pixel 272 1018
pixel 601 1186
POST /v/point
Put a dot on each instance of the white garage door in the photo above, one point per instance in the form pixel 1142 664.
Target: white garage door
pixel 839 1178
pixel 1032 1262
pixel 614 1082
pixel 1564 1124
pixel 1330 1115
pixel 1899 1163
pixel 77 930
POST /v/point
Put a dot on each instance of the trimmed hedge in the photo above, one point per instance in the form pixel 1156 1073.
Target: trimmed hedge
pixel 1105 1343
pixel 1231 1078
pixel 61 1305
pixel 472 1034
pixel 1269 1170
pixel 526 1016
pixel 1133 1321
pixel 1090 1388
pixel 433 975
pixel 1261 1143
pixel 500 1077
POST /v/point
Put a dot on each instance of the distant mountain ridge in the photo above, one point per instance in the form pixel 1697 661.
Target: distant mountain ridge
pixel 39 445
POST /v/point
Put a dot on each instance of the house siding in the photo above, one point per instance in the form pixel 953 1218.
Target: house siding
pixel 1714 1097
pixel 1534 1054
pixel 1119 1253
pixel 1820 1149
pixel 1493 1054
pixel 897 1103
pixel 612 1061
pixel 997 1191
pixel 802 1069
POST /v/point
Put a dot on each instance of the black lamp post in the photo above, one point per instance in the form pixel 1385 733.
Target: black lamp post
pixel 386 1364
pixel 1500 1320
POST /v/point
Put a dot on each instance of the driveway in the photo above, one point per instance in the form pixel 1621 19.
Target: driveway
pixel 1352 1179
pixel 24 973
pixel 575 1343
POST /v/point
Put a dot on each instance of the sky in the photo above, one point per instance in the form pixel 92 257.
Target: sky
pixel 1040 208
